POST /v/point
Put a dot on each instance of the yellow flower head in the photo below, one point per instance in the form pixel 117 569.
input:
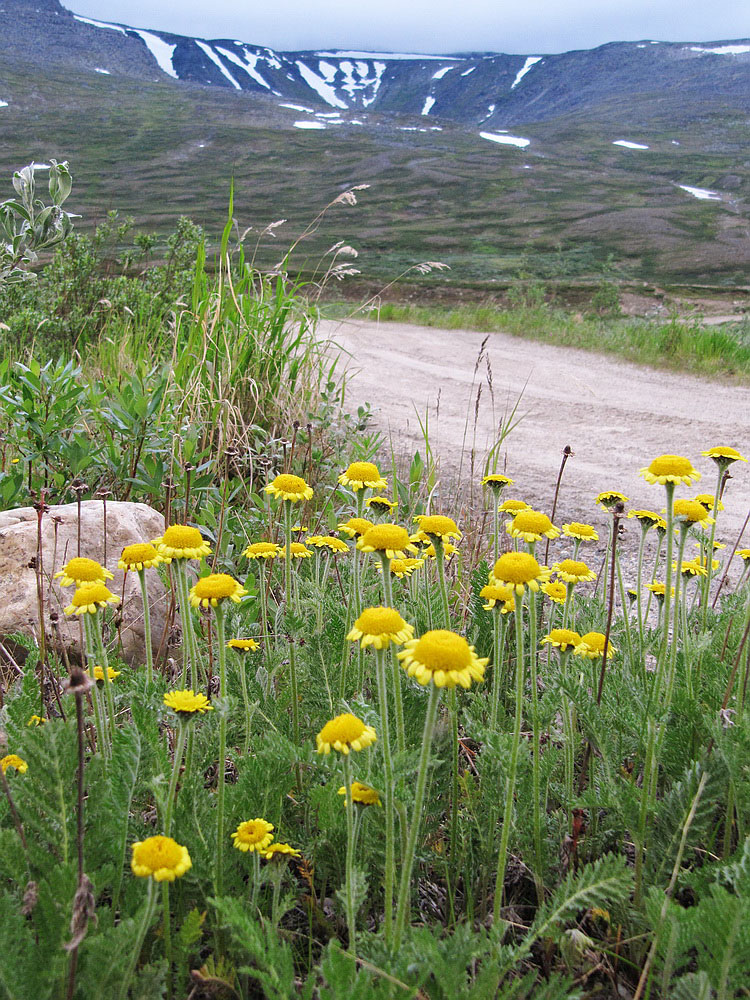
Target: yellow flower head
pixel 391 539
pixel 363 475
pixel 215 587
pixel 355 526
pixel 248 645
pixel 449 549
pixel 555 590
pixel 111 674
pixel 161 858
pixel 187 702
pixel 80 570
pixel 691 567
pixel 253 835
pixel 572 571
pixel 670 469
pixel 497 481
pixel 89 597
pixel 14 761
pixel 36 720
pixel 513 506
pixel 692 512
pixel 658 589
pixel 609 498
pixel 562 639
pixel 519 570
pixel 707 501
pixel 647 518
pixel 298 550
pixel 362 794
pixel 723 455
pixel 329 542
pixel 180 541
pixel 379 627
pixel 142 555
pixel 592 646
pixel 583 532
pixel 279 850
pixel 444 658
pixel 744 554
pixel 499 593
pixel 404 567
pixel 261 550
pixel 288 487
pixel 381 505
pixel 532 526
pixel 344 733
pixel 437 526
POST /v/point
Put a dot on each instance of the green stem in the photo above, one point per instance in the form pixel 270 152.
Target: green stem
pixel 262 581
pixel 395 668
pixel 536 748
pixel 221 776
pixel 710 557
pixel 349 887
pixel 385 743
pixel 190 645
pixel 167 930
pixel 245 700
pixel 407 862
pixel 654 576
pixel 172 792
pixel 288 599
pixel 96 631
pixel 148 917
pixel 497 646
pixel 146 626
pixel 453 853
pixel 641 623
pixel 440 560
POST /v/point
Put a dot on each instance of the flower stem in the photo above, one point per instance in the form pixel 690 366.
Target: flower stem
pixel 440 560
pixel 167 932
pixel 498 644
pixel 172 792
pixel 349 887
pixel 95 696
pixel 536 748
pixel 148 917
pixel 388 792
pixel 221 775
pixel 407 862
pixel 146 626
pixel 395 669
pixel 188 631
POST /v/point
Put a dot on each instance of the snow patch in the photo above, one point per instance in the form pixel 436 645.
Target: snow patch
pixel 316 125
pixel 160 50
pixel 508 140
pixel 469 70
pixel 427 107
pixel 100 24
pixel 629 145
pixel 723 50
pixel 319 85
pixel 298 107
pixel 217 62
pixel 701 193
pixel 441 72
pixel 98 69
pixel 531 61
pixel 356 54
pixel 248 66
pixel 3 104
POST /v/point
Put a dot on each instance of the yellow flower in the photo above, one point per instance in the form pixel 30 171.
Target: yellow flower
pixel 381 505
pixel 519 570
pixel 80 570
pixel 562 638
pixel 444 658
pixel 692 511
pixel 36 720
pixel 142 555
pixel 111 674
pixel 261 550
pixel 572 571
pixel 288 487
pixel 379 627
pixel 161 858
pixel 556 591
pixel 362 475
pixel 14 761
pixel 298 550
pixel 531 525
pixel 404 567
pixel 583 532
pixel 246 645
pixel 253 835
pixel 717 545
pixel 180 541
pixel 328 542
pixel 449 549
pixel 344 733
pixel 362 794
pixel 497 481
pixel 592 646
pixel 513 506
pixel 391 539
pixel 355 526
pixel 89 597
pixel 670 469
pixel 691 567
pixel 648 519
pixel 707 501
pixel 209 590
pixel 498 593
pixel 609 498
pixel 187 702
pixel 744 554
pixel 437 526
pixel 658 589
pixel 280 851
pixel 723 455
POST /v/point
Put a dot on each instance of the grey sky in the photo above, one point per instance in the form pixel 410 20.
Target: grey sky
pixel 523 26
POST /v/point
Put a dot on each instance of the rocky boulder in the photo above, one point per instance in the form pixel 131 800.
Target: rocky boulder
pixel 127 523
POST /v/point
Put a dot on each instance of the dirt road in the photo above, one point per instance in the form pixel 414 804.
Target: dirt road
pixel 615 416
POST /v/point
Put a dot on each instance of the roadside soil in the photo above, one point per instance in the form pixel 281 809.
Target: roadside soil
pixel 616 416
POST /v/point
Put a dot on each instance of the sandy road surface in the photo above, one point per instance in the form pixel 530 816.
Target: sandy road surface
pixel 615 416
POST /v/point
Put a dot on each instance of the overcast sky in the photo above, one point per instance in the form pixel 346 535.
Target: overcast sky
pixel 522 26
